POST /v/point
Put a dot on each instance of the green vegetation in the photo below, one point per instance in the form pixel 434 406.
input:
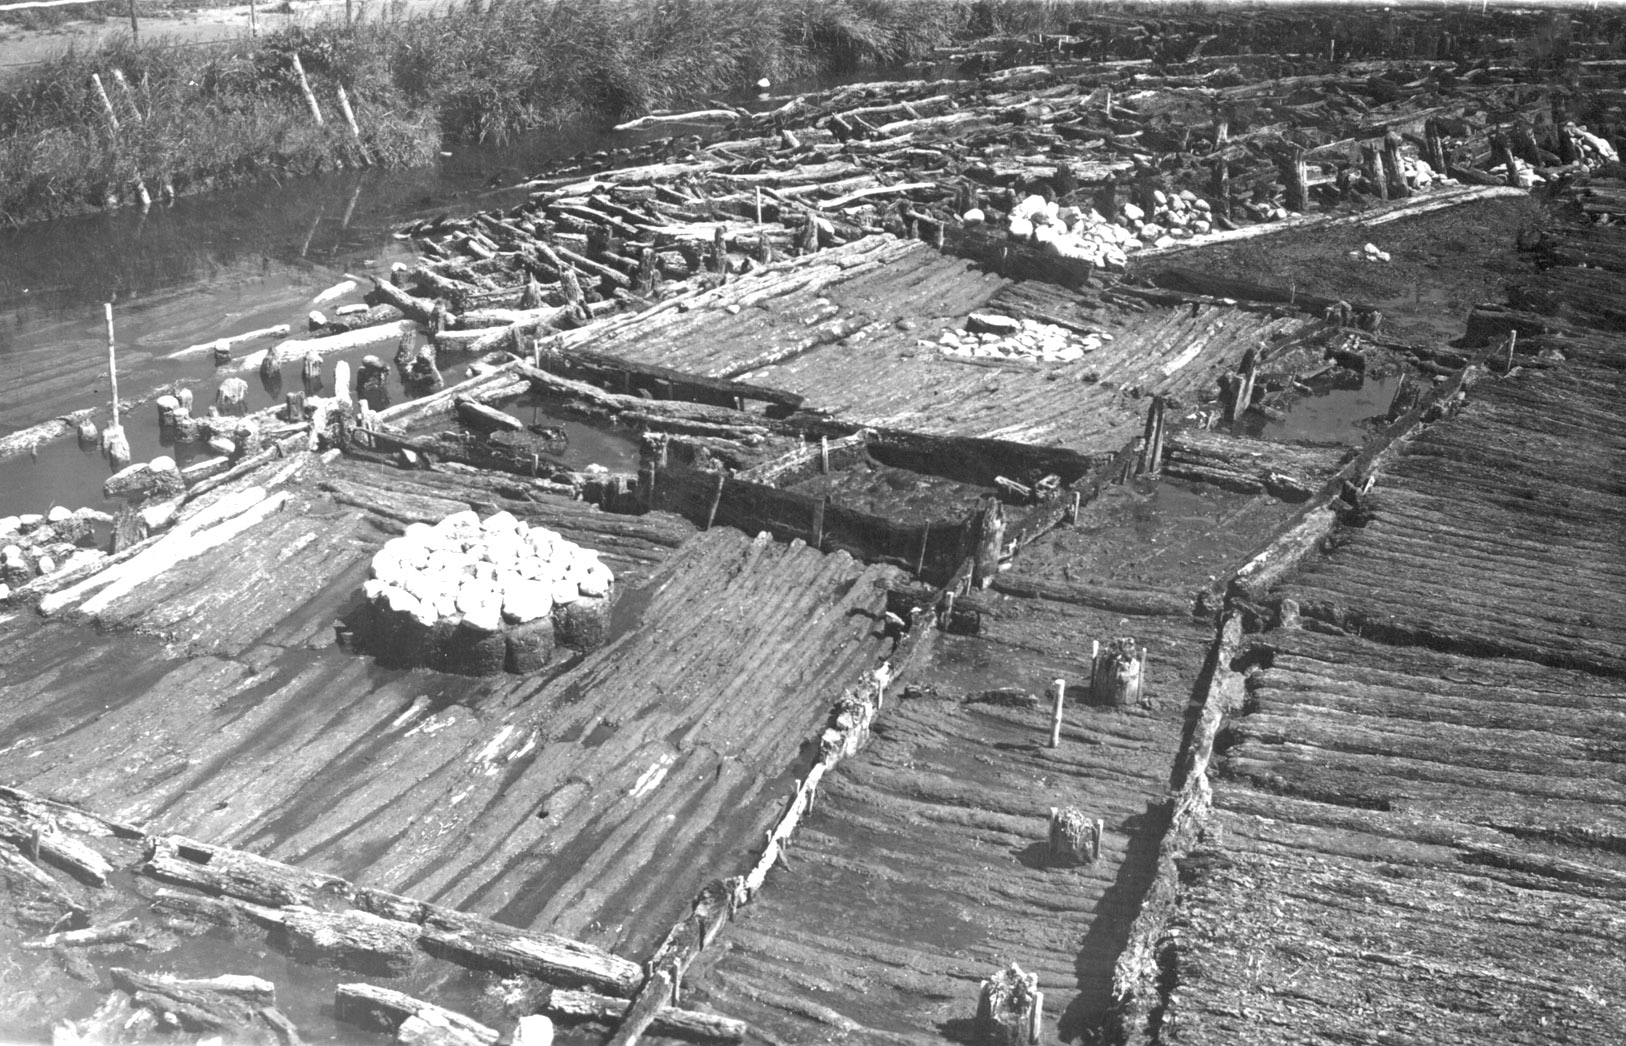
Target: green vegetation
pixel 220 114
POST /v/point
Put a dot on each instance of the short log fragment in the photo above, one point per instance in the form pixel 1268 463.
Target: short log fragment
pixel 1010 1008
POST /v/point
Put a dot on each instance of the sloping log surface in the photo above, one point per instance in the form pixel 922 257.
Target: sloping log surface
pixel 1410 840
pixel 851 330
pixel 1499 533
pixel 920 869
pixel 287 580
pixel 513 797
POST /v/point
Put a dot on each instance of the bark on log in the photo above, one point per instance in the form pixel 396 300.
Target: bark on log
pixel 386 1010
pixel 673 1022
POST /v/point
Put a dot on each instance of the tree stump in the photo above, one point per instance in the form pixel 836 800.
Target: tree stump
pixel 232 397
pixel 1010 1008
pixel 373 383
pixel 310 373
pixel 1073 836
pixel 1116 674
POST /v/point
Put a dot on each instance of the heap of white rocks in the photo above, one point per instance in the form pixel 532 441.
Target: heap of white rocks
pixel 476 597
pixel 35 544
pixel 993 336
pixel 1085 234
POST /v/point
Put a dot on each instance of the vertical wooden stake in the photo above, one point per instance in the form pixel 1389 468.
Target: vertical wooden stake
pixel 349 114
pixel 759 205
pixel 818 522
pixel 1219 186
pixel 824 453
pixel 310 96
pixel 1395 166
pixel 253 21
pixel 129 95
pixel 925 538
pixel 1295 181
pixel 1372 165
pixel 1095 844
pixel 135 28
pixel 112 365
pixel 107 103
pixel 1055 713
pixel 716 499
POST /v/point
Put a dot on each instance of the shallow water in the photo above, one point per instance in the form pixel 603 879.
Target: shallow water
pixel 211 266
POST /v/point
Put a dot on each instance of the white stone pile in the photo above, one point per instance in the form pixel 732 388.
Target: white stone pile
pixel 1370 253
pixel 993 336
pixel 441 591
pixel 1085 234
pixel 35 544
pixel 1593 149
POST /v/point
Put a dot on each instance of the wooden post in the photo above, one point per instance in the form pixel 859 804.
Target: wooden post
pixel 135 27
pixel 1151 450
pixel 112 366
pixel 1219 186
pixel 1372 167
pixel 759 205
pixel 990 540
pixel 305 88
pixel 107 103
pixel 349 113
pixel 129 95
pixel 716 499
pixel 1395 166
pixel 1502 153
pixel 818 522
pixel 1435 145
pixel 1055 713
pixel 824 453
pixel 1116 674
pixel 925 539
pixel 1295 180
pixel 253 21
pixel 1010 1008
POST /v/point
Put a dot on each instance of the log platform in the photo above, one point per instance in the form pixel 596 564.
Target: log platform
pixel 971 617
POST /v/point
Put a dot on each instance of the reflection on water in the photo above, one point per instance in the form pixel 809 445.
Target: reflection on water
pixel 211 266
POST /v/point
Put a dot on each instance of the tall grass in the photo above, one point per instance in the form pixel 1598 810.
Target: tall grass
pixel 483 71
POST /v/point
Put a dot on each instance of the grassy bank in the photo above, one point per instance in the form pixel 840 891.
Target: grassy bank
pixel 202 116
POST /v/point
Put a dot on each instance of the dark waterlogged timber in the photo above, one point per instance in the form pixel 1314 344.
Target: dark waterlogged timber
pixel 1004 642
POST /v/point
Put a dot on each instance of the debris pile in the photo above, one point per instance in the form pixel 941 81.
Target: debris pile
pixel 476 597
pixel 36 544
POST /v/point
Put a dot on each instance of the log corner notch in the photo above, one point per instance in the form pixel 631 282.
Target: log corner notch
pixel 663 981
pixel 1010 1009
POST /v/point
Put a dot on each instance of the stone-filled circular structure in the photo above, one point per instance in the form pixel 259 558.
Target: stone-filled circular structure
pixel 478 597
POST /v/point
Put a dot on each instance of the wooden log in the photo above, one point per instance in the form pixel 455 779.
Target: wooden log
pixel 1117 674
pixel 386 1010
pixel 482 944
pixel 305 89
pixel 1502 153
pixel 235 873
pixel 1010 1009
pixel 279 330
pixel 1394 167
pixel 1373 167
pixel 485 419
pixel 352 940
pixel 671 1021
pixel 1073 837
pixel 1059 691
pixel 231 1006
pixel 1295 180
pixel 112 933
pixel 990 544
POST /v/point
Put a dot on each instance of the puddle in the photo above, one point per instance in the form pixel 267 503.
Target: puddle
pixel 585 443
pixel 1333 415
